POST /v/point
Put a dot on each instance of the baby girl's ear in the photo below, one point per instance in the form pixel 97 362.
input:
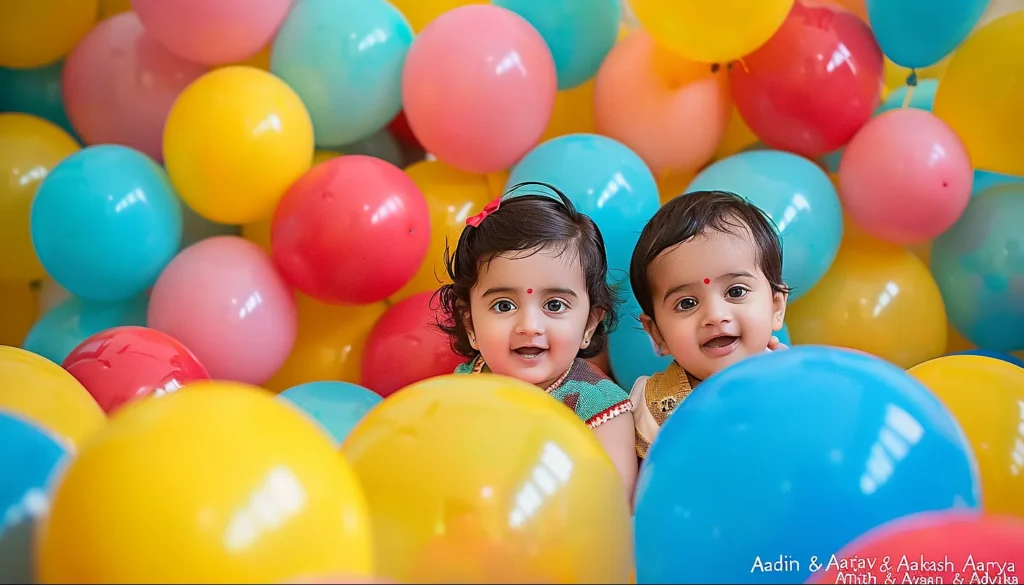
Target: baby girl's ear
pixel 470 333
pixel 652 329
pixel 778 310
pixel 596 315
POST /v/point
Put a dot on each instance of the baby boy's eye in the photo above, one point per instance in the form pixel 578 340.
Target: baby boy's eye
pixel 687 304
pixel 503 306
pixel 554 306
pixel 737 292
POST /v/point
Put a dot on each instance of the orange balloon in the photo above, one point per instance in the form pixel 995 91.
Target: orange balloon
pixel 452 196
pixel 670 111
pixel 328 345
pixel 878 298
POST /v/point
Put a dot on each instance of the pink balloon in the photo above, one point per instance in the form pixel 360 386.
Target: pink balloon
pixel 213 32
pixel 223 299
pixel 119 85
pixel 673 116
pixel 478 88
pixel 905 177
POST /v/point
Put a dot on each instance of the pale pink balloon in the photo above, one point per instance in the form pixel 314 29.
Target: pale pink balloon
pixel 119 84
pixel 478 88
pixel 671 112
pixel 213 32
pixel 905 177
pixel 223 299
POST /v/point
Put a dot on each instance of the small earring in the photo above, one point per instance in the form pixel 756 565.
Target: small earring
pixel 586 341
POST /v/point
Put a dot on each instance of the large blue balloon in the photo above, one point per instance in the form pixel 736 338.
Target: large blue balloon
pixel 579 33
pixel 605 180
pixel 919 33
pixel 69 323
pixel 344 58
pixel 28 460
pixel 978 264
pixel 105 222
pixel 798 196
pixel 337 406
pixel 791 455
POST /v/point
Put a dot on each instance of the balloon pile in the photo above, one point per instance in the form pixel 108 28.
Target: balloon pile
pixel 223 222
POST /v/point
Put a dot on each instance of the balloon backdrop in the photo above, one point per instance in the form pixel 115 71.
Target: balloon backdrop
pixel 336 406
pixel 34 33
pixel 73 320
pixel 919 33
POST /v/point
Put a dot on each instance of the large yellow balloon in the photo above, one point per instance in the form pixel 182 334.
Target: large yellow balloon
pixel 986 396
pixel 876 297
pixel 981 93
pixel 452 196
pixel 42 391
pixel 711 31
pixel 218 483
pixel 420 13
pixel 329 344
pixel 19 305
pixel 34 33
pixel 483 479
pixel 29 149
pixel 235 140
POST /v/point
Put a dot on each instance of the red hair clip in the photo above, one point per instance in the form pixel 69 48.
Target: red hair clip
pixel 490 208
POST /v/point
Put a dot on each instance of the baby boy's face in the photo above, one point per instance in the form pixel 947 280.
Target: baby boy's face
pixel 713 306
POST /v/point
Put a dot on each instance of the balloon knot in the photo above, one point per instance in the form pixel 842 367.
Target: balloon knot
pixel 912 78
pixel 715 67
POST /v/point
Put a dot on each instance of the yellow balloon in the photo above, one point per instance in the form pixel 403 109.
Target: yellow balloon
pixel 674 183
pixel 217 483
pixel 573 113
pixel 420 13
pixel 34 33
pixel 981 93
pixel 260 60
pixel 896 76
pixel 42 391
pixel 324 155
pixel 986 396
pixel 496 182
pixel 483 479
pixel 329 344
pixel 234 141
pixel 876 297
pixel 29 149
pixel 706 31
pixel 737 136
pixel 452 196
pixel 19 305
pixel 109 8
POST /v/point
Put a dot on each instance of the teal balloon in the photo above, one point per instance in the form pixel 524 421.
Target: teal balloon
pixel 631 352
pixel 921 98
pixel 919 33
pixel 984 180
pixel 105 222
pixel 37 92
pixel 979 267
pixel 69 323
pixel 30 458
pixel 605 180
pixel 798 196
pixel 579 33
pixel 336 406
pixel 344 59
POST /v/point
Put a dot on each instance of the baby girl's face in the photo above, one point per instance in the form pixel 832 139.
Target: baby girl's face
pixel 713 306
pixel 531 314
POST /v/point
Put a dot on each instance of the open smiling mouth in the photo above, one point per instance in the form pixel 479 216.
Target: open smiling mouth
pixel 721 345
pixel 530 352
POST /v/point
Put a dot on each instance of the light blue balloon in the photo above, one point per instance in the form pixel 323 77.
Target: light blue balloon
pixel 798 196
pixel 105 222
pixel 30 458
pixel 337 406
pixel 605 180
pixel 579 33
pixel 344 58
pixel 978 264
pixel 631 351
pixel 919 33
pixel 984 180
pixel 69 323
pixel 922 98
pixel 37 92
pixel 793 453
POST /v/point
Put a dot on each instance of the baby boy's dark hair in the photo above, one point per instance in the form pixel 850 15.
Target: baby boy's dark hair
pixel 521 223
pixel 693 214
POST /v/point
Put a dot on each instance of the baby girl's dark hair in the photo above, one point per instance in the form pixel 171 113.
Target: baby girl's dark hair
pixel 693 214
pixel 521 223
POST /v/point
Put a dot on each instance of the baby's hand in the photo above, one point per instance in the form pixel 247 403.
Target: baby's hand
pixel 775 345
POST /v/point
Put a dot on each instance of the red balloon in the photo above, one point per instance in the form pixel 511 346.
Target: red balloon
pixel 933 547
pixel 813 84
pixel 122 364
pixel 352 230
pixel 400 128
pixel 405 347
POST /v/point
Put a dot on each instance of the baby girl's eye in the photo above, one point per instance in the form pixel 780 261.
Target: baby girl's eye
pixel 686 304
pixel 737 292
pixel 555 306
pixel 503 306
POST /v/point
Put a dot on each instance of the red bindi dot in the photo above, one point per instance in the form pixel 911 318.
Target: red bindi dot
pixel 529 291
pixel 707 281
